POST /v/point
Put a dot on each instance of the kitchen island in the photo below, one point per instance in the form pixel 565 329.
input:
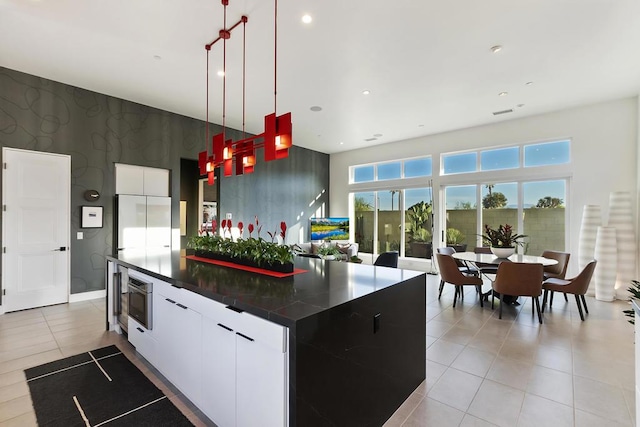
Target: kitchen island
pixel 353 337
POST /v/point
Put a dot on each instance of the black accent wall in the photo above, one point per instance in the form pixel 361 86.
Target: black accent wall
pixel 98 130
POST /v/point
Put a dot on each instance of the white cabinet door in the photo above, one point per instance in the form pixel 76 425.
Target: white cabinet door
pixel 142 340
pixel 129 179
pixel 261 383
pixel 156 182
pixel 218 399
pixel 179 332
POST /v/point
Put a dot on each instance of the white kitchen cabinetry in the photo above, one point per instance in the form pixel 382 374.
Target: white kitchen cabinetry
pixel 178 329
pixel 141 181
pixel 245 381
pixel 142 339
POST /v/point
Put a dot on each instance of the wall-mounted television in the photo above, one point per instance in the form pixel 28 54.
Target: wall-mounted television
pixel 334 228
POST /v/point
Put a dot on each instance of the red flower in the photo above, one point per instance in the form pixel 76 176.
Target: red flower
pixel 240 227
pixel 224 223
pixel 214 226
pixel 250 228
pixel 283 229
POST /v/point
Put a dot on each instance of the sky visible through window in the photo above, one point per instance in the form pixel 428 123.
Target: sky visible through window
pixel 463 196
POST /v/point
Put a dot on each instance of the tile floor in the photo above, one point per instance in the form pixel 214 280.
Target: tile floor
pixel 481 371
pixel 33 337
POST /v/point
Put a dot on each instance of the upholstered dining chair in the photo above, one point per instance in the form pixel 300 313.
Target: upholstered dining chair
pixel 464 269
pixel 521 279
pixel 576 286
pixel 387 259
pixel 556 271
pixel 449 273
pixel 485 268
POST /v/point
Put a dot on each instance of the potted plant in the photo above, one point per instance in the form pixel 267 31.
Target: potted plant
pixel 419 236
pixel 455 239
pixel 503 240
pixel 328 252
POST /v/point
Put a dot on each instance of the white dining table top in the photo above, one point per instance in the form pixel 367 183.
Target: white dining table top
pixel 492 259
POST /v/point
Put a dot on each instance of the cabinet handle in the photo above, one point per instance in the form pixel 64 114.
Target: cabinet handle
pixel 182 306
pixel 140 329
pixel 237 310
pixel 170 300
pixel 225 327
pixel 244 336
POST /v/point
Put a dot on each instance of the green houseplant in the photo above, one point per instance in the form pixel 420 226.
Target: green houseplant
pixel 455 239
pixel 503 240
pixel 328 252
pixel 419 236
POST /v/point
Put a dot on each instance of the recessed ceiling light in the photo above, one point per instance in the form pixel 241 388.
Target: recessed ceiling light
pixel 157 57
pixel 503 94
pixel 307 19
pixel 220 73
pixel 520 105
pixel 529 83
pixel 316 108
pixel 420 126
pixel 366 92
pixel 377 135
pixel 342 143
pixel 495 49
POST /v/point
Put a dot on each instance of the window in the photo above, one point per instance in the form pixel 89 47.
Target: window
pixel 401 169
pixel 459 163
pixel 389 171
pixel 417 167
pixel 363 173
pixel 550 153
pixel 502 158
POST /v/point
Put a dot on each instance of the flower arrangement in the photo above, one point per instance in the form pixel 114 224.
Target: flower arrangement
pixel 251 251
pixel 502 237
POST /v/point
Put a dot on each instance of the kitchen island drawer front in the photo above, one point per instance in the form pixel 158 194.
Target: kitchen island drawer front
pixel 268 333
pixel 142 340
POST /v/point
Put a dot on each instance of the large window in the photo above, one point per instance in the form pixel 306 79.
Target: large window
pixel 400 169
pixel 394 220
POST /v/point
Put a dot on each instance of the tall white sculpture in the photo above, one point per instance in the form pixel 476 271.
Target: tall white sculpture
pixel 606 254
pixel 621 217
pixel 591 220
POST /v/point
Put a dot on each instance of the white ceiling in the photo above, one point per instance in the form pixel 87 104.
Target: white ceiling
pixel 428 64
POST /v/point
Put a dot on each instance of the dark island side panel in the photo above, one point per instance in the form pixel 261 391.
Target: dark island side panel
pixel 348 375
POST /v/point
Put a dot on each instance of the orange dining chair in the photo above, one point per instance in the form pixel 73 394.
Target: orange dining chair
pixel 521 279
pixel 576 286
pixel 450 273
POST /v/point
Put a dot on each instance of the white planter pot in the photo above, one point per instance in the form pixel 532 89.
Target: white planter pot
pixel 621 218
pixel 503 252
pixel 591 220
pixel 607 256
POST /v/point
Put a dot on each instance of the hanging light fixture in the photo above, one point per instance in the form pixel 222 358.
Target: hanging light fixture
pixel 277 136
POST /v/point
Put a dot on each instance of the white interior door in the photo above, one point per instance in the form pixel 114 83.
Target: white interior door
pixel 35 229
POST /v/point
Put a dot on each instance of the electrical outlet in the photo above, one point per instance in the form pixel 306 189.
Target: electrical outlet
pixel 80 235
pixel 228 215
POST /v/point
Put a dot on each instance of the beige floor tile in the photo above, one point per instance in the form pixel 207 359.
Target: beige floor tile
pixel 517 349
pixel 586 419
pixel 537 411
pixel 551 384
pixel 406 409
pixel 13 343
pixel 601 399
pixel 436 329
pixel 556 358
pixel 456 389
pixel 12 377
pixel 512 373
pixel 474 361
pixel 497 403
pixel 25 420
pixel 630 398
pixel 13 391
pixel 458 335
pixel 33 329
pixel 487 342
pixel 444 352
pixel 16 407
pixel 471 421
pixel 433 413
pixel 19 352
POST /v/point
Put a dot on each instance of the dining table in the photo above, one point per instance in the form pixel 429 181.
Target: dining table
pixel 479 261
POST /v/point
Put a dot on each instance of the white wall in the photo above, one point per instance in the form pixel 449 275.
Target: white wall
pixel 604 149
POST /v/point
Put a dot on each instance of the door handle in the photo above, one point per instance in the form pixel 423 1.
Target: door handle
pixel 61 249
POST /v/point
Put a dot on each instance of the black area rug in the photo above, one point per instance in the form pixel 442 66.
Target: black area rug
pixel 98 388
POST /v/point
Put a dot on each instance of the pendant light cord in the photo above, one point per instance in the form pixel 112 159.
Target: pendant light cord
pixel 206 141
pixel 224 77
pixel 275 57
pixel 244 75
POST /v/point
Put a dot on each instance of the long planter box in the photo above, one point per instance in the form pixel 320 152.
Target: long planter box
pixel 279 267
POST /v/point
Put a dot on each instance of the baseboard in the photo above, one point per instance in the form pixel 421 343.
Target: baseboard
pixel 85 296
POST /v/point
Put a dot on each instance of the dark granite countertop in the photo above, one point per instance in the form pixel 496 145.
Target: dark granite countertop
pixel 326 284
